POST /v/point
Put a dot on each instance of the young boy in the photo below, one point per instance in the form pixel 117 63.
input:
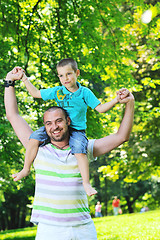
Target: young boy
pixel 74 99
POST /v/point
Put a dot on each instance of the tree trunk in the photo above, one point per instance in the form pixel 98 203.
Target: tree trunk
pixel 129 204
pixel 106 196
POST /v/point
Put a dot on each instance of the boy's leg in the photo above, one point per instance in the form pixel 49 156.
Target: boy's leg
pixel 31 152
pixel 84 170
pixel 78 143
pixel 39 137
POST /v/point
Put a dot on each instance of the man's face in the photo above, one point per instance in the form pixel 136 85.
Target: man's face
pixel 56 125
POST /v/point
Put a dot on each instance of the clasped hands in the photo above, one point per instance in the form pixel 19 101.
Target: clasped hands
pixel 16 73
pixel 124 95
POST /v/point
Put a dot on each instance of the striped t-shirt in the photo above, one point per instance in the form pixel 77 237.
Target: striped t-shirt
pixel 60 198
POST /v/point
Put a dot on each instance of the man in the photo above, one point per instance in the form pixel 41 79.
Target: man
pixel 115 205
pixel 60 205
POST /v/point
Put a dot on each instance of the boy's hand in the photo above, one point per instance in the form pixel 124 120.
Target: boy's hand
pixel 124 95
pixel 18 70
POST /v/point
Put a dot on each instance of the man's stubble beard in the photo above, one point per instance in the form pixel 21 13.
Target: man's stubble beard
pixel 59 139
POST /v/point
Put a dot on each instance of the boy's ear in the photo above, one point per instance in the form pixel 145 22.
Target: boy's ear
pixel 78 72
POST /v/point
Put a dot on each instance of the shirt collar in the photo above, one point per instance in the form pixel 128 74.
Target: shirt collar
pixel 65 90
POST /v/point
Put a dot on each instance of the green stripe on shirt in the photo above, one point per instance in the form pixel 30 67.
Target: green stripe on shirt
pixel 62 211
pixel 60 175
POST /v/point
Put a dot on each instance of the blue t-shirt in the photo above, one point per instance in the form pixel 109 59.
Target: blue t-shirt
pixel 74 103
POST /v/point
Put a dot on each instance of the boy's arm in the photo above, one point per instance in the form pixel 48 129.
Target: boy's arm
pixel 102 108
pixel 108 143
pixel 31 89
pixel 19 125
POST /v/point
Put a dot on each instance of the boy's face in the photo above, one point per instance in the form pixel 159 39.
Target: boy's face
pixel 68 77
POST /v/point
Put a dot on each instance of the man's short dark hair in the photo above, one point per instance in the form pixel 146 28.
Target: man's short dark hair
pixel 52 109
pixel 67 61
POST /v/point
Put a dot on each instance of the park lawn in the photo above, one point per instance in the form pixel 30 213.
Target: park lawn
pixel 19 234
pixel 138 226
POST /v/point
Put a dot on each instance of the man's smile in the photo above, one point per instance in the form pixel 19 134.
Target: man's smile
pixel 56 132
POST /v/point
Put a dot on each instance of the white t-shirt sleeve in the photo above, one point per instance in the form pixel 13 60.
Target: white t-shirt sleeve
pixel 90 156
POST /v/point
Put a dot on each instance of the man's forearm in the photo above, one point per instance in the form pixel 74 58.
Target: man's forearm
pixel 20 126
pixel 127 122
pixel 10 102
pixel 108 143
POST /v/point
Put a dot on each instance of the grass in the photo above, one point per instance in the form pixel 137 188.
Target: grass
pixel 19 234
pixel 138 226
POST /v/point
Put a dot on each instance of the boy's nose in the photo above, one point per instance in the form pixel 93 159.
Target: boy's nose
pixel 66 77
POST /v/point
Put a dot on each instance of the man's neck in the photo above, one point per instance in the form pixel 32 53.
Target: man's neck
pixel 60 145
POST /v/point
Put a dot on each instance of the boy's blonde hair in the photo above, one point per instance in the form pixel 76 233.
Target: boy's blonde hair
pixel 67 61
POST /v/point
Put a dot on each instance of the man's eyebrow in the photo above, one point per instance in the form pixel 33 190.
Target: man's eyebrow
pixel 55 120
pixel 59 119
pixel 47 122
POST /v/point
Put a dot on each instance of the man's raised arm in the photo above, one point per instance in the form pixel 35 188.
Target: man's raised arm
pixel 106 144
pixel 20 126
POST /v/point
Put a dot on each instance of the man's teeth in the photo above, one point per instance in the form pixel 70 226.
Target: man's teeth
pixel 56 132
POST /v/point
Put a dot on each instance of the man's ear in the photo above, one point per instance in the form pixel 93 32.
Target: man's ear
pixel 68 121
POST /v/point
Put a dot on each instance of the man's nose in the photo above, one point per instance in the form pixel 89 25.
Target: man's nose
pixel 54 126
